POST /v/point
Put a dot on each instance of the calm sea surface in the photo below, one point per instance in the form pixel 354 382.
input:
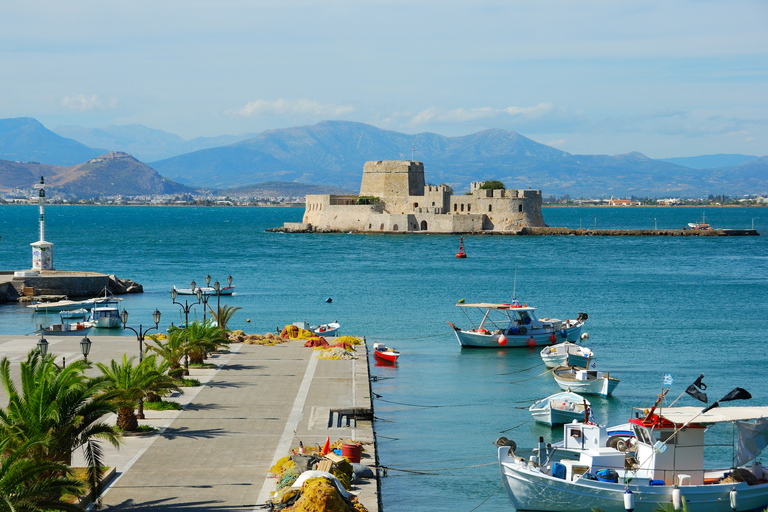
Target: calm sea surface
pixel 656 305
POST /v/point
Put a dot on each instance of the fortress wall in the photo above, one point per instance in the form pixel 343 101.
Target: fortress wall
pixel 339 217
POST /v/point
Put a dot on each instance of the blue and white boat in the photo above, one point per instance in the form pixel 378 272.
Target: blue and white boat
pixel 557 355
pixel 515 325
pixel 560 408
pixel 667 466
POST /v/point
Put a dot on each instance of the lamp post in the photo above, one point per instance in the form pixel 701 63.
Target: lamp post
pixel 85 347
pixel 186 307
pixel 140 334
pixel 201 297
pixel 42 344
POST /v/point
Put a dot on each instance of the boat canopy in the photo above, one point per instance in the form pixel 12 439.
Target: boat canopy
pixel 683 415
pixel 488 305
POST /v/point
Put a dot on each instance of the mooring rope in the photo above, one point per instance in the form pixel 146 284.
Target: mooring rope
pixel 486 499
pixel 426 471
pixel 416 338
pixel 531 378
pixel 513 428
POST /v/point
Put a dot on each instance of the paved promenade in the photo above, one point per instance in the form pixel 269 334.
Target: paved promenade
pixel 253 407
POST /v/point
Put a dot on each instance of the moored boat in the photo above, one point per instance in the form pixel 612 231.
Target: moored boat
pixel 207 290
pixel 667 467
pixel 557 355
pixel 584 380
pixel 58 306
pixel 67 329
pixel 515 325
pixel 388 354
pixel 106 315
pixel 73 313
pixel 330 329
pixel 560 408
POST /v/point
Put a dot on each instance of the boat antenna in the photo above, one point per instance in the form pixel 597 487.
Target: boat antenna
pixel 514 286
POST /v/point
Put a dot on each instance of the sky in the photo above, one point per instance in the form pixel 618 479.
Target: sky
pixel 663 77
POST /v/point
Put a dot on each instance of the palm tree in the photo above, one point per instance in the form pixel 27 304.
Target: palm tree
pixel 196 340
pixel 127 384
pixel 60 406
pixel 224 315
pixel 171 350
pixel 28 485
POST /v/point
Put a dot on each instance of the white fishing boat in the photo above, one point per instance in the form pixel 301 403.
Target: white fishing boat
pixel 106 315
pixel 560 408
pixel 73 313
pixel 667 467
pixel 588 381
pixel 515 325
pixel 58 306
pixel 207 290
pixel 330 330
pixel 67 329
pixel 557 355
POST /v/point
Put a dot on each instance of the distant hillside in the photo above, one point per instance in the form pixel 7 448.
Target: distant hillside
pixel 107 175
pixel 710 161
pixel 283 189
pixel 24 139
pixel 334 152
pixel 146 144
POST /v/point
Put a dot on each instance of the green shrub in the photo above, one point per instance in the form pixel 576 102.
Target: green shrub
pixel 492 185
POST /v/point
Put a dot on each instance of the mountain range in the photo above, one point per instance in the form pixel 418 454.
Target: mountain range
pixel 332 154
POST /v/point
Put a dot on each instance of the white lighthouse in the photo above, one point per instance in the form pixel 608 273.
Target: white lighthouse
pixel 42 251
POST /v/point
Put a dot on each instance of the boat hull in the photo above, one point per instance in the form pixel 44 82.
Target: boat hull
pixel 530 489
pixel 601 386
pixel 207 290
pixel 554 417
pixel 472 339
pixel 66 330
pixel 389 357
pixel 557 355
pixel 107 322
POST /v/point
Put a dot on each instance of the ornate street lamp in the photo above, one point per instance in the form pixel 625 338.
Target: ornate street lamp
pixel 140 334
pixel 186 307
pixel 85 347
pixel 42 344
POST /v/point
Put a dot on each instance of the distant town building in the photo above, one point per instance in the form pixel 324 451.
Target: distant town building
pixel 622 202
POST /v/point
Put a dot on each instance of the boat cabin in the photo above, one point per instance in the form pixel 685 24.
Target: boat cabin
pixel 513 319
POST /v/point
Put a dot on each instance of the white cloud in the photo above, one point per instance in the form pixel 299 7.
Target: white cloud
pixel 84 103
pixel 463 115
pixel 291 107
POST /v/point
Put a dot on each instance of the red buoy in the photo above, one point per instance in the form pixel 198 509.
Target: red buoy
pixel 502 340
pixel 531 342
pixel 553 338
pixel 461 253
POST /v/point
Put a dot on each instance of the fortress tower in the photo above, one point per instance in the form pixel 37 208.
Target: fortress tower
pixel 393 179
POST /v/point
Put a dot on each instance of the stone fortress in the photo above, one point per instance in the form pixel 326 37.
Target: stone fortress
pixel 394 199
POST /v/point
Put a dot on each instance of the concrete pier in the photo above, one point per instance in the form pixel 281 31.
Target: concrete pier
pixel 256 404
pixel 16 285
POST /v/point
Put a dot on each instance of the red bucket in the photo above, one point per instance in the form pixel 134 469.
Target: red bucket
pixel 351 452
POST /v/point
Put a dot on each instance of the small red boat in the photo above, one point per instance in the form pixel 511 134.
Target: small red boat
pixel 461 253
pixel 385 353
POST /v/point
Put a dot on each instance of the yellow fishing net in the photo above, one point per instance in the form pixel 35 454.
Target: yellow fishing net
pixel 337 353
pixel 295 333
pixel 320 495
pixel 281 466
pixel 348 339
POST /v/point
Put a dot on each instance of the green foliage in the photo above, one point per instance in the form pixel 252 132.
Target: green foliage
pixel 55 411
pixel 224 315
pixel 367 200
pixel 197 339
pixel 127 384
pixel 190 383
pixel 163 406
pixel 492 185
pixel 29 485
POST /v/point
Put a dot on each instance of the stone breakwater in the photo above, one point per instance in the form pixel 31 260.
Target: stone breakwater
pixel 545 231
pixel 27 286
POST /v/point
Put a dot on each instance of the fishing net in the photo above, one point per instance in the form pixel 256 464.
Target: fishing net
pixel 281 466
pixel 289 476
pixel 349 339
pixel 316 342
pixel 295 333
pixel 337 353
pixel 320 495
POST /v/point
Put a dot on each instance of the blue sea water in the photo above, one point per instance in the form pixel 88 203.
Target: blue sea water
pixel 679 305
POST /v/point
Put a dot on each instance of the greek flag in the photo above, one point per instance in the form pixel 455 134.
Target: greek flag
pixel 667 380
